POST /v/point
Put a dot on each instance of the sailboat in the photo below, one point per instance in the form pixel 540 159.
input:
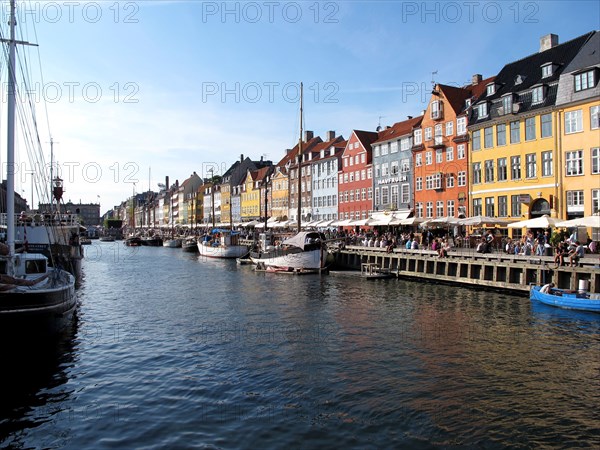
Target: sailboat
pixel 34 298
pixel 304 251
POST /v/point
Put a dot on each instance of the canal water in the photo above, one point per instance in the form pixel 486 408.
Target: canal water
pixel 173 351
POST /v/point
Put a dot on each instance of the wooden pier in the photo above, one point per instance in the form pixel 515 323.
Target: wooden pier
pixel 495 270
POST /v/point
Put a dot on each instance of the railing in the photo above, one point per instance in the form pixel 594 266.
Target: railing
pixel 42 219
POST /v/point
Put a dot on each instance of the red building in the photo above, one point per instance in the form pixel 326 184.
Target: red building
pixel 355 179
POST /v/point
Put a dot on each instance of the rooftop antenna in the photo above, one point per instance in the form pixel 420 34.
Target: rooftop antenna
pixel 433 83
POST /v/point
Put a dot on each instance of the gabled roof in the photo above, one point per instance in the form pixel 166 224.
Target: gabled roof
pixel 398 130
pixel 339 149
pixel 588 56
pixel 366 138
pixel 262 173
pixel 306 147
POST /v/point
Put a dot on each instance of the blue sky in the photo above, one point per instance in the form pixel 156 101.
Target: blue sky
pixel 174 87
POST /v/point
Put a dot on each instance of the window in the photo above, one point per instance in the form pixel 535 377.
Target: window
pixel 461 125
pixel 482 110
pixel 530 129
pixel 515 206
pixel 595 117
pixel 429 210
pixel 418 137
pixel 515 132
pixel 449 154
pixel 450 208
pixel 547 170
pixel 488 137
pixel 384 151
pixel 436 110
pixel 405 193
pixel 394 167
pixel 595 201
pixel 385 171
pixel 428 158
pixel 419 183
pixel 489 171
pixel 574 162
pixel 477 207
pixel 439 155
pixel 574 201
pixel 428 133
pixel 460 151
pixel 537 94
pixel 419 209
pixel 546 70
pixel 573 121
pixel 449 128
pixel 439 208
pixel 546 125
pixel 476 140
pixel 394 147
pixel 405 165
pixel 419 160
pixel 385 195
pixel 502 169
pixel 369 193
pixel 507 104
pixel 515 167
pixel 490 89
pixel 377 170
pixel 501 134
pixel 395 196
pixel 502 206
pixel 584 80
pixel 595 160
pixel 438 134
pixel 462 178
pixel 476 173
pixel 489 207
pixel 449 181
pixel 531 165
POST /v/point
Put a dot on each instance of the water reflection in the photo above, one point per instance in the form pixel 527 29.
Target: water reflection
pixel 34 376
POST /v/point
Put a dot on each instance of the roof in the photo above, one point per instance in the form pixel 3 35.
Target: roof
pixel 366 138
pixel 588 56
pixel 520 76
pixel 306 147
pixel 398 130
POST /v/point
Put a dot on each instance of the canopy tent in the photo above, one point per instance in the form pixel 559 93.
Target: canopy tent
pixel 441 221
pixel 342 223
pixel 411 221
pixel 484 220
pixel 539 222
pixel 252 223
pixel 587 221
pixel 325 223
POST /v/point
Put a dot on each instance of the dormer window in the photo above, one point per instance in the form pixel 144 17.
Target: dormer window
pixel 547 70
pixel 585 80
pixel 482 110
pixel 467 103
pixel 507 103
pixel 491 89
pixel 538 94
pixel 519 79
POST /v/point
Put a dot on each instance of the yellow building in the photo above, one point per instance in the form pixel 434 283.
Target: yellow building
pixel 279 194
pixel 250 197
pixel 514 131
pixel 578 103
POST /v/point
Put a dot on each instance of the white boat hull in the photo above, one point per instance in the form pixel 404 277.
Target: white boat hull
pixel 172 243
pixel 311 259
pixel 230 251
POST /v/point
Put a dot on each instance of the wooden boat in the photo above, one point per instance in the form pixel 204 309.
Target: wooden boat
pixel 372 271
pixel 152 241
pixel 172 243
pixel 133 241
pixel 222 244
pixel 566 299
pixel 190 244
pixel 305 250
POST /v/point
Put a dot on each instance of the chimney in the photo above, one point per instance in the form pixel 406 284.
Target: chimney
pixel 308 135
pixel 176 183
pixel 330 136
pixel 167 182
pixel 548 41
pixel 476 79
pixel 409 117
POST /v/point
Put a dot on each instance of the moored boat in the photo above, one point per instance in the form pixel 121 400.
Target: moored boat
pixel 566 299
pixel 222 244
pixel 305 250
pixel 190 244
pixel 172 243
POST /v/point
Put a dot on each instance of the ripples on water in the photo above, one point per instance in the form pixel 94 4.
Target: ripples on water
pixel 171 351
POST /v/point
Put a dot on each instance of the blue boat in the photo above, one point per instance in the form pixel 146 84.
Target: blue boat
pixel 567 299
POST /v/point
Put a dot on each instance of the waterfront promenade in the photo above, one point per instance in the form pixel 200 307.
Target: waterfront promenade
pixel 496 270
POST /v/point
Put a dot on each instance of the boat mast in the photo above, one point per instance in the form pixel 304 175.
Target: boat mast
pixel 212 195
pixel 10 137
pixel 300 166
